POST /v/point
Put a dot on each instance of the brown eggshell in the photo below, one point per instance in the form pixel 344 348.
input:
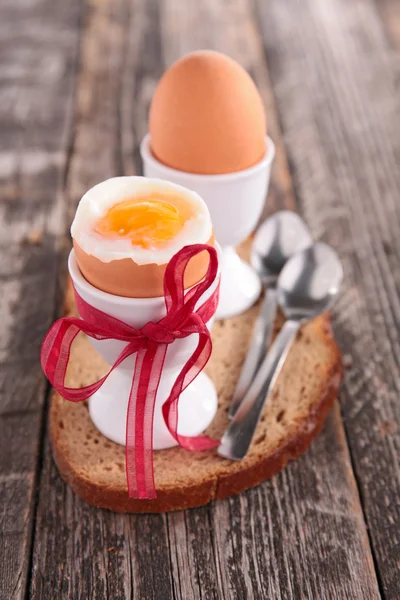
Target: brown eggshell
pixel 207 116
pixel 126 278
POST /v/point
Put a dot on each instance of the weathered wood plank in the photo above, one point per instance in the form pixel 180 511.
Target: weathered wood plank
pixel 38 49
pixel 18 450
pixel 334 75
pixel 262 544
pixel 300 535
pixel 256 545
pixel 82 551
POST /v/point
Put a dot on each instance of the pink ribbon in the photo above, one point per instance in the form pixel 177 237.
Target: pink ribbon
pixel 150 343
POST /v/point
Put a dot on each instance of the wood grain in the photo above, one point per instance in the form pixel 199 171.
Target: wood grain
pixel 334 75
pixel 301 535
pixel 38 49
pixel 19 439
pixel 259 545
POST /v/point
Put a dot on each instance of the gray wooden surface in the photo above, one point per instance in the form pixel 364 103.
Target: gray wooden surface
pixel 76 79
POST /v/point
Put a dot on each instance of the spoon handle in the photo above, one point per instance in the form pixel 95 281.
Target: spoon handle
pixel 257 349
pixel 237 438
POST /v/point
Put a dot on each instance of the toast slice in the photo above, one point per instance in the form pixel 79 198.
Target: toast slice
pixel 95 467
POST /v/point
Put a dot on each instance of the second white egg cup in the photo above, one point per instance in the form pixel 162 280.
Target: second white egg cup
pixel 235 201
pixel 108 406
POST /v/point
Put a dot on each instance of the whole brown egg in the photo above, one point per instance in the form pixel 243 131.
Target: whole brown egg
pixel 207 116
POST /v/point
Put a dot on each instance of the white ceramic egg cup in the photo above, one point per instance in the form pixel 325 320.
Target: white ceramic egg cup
pixel 235 201
pixel 108 406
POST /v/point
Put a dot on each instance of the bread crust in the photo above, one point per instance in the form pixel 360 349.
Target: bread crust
pixel 226 484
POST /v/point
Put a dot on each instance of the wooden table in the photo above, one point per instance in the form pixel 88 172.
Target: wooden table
pixel 76 79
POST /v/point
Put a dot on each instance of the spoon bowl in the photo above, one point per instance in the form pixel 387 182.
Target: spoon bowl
pixel 276 240
pixel 309 282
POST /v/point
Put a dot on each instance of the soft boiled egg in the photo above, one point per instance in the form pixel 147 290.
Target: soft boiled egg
pixel 207 116
pixel 126 230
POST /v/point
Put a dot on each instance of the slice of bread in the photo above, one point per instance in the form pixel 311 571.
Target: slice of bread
pixel 95 467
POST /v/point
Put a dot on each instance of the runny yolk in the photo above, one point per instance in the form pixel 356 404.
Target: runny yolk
pixel 145 223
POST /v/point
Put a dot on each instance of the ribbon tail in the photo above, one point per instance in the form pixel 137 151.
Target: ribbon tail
pixel 140 418
pixel 190 371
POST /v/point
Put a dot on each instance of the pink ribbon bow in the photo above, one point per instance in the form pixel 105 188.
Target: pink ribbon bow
pixel 150 343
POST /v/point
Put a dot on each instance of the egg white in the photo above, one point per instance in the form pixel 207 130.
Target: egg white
pixel 100 198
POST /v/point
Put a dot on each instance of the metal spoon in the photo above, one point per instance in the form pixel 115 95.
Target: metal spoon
pixel 307 287
pixel 277 239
